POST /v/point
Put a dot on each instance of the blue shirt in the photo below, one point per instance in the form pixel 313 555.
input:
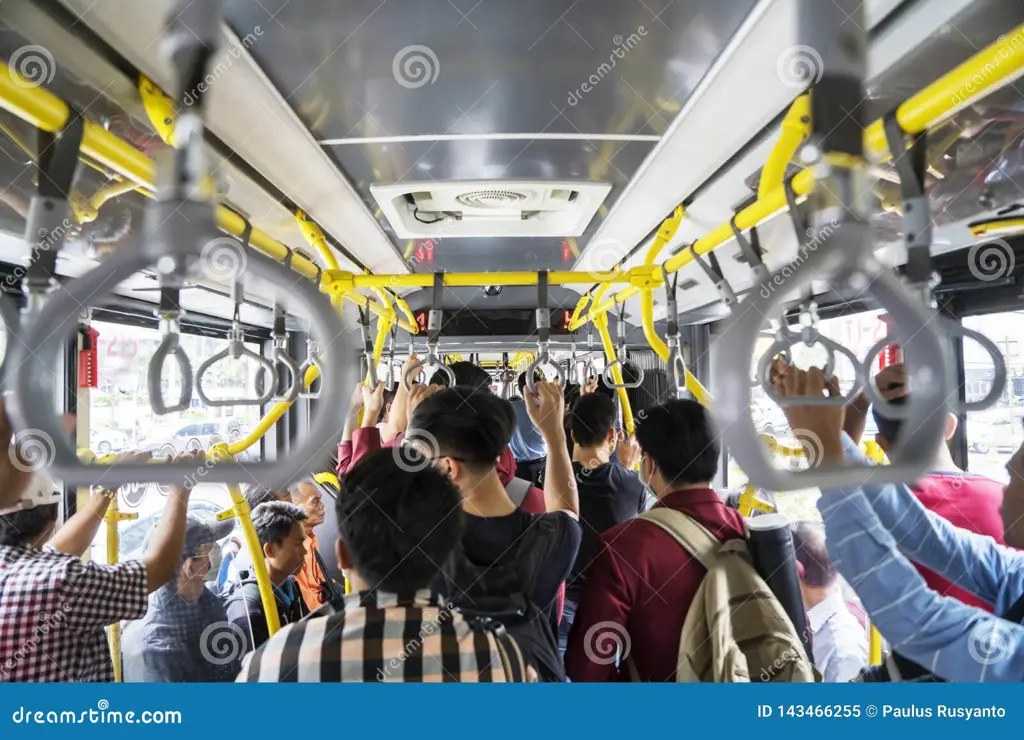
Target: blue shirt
pixel 527 442
pixel 873 533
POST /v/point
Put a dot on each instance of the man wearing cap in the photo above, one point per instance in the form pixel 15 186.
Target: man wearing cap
pixel 185 635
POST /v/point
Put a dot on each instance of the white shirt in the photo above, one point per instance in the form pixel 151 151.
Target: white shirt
pixel 840 643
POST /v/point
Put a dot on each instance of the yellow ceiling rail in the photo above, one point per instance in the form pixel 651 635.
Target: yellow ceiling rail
pixel 988 69
pixel 87 210
pixel 665 234
pixel 796 127
pixel 480 279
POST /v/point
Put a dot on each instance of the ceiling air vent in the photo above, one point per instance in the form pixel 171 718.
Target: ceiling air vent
pixel 490 208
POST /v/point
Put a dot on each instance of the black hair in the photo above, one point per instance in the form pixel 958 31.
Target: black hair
pixel 888 428
pixel 399 522
pixel 255 494
pixel 812 554
pixel 21 527
pixel 466 374
pixel 593 416
pixel 538 376
pixel 679 437
pixel 274 520
pixel 468 424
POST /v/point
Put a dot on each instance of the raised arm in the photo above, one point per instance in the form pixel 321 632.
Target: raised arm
pixel 164 551
pixel 547 409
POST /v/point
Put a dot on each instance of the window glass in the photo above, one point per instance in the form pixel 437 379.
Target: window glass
pixel 121 418
pixel 995 433
pixel 859 332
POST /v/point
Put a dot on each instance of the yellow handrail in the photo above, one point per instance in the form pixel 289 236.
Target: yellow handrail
pixel 609 352
pixel 259 565
pixel 111 519
pixel 796 126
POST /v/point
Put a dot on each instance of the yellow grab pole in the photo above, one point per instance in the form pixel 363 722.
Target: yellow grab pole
pixel 875 646
pixel 259 565
pixel 601 323
pixel 796 126
pixel 271 417
pixel 111 519
pixel 666 232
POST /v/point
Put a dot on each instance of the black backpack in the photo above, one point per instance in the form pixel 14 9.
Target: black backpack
pixel 498 594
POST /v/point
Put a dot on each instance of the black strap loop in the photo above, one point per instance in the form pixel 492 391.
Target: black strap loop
pixel 672 315
pixel 435 316
pixel 57 160
pixel 170 302
pixel 713 270
pixel 543 315
pixel 799 225
pixel 751 249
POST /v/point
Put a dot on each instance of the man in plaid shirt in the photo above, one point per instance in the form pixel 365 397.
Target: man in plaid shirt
pixel 399 521
pixel 53 606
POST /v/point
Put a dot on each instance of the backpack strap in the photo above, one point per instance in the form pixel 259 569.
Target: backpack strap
pixel 517 490
pixel 511 656
pixel 693 537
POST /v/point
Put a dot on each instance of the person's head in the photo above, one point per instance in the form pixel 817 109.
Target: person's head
pixel 1013 501
pixel 201 537
pixel 592 424
pixel 889 429
pixel 306 495
pixel 398 523
pixel 538 376
pixel 678 445
pixel 256 494
pixel 466 374
pixel 814 566
pixel 389 398
pixel 465 430
pixel 31 520
pixel 279 527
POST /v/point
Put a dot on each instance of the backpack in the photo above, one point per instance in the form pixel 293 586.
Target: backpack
pixel 736 630
pixel 498 594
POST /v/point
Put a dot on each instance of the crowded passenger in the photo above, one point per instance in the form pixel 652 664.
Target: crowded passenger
pixel 838 641
pixel 527 443
pixel 311 578
pixel 508 551
pixel 874 529
pixel 176 640
pixel 398 521
pixel 282 537
pixel 609 492
pixel 642 582
pixel 44 575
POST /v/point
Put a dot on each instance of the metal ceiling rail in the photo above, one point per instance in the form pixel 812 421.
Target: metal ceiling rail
pixel 47 112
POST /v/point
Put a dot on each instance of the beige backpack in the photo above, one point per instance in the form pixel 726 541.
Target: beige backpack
pixel 736 630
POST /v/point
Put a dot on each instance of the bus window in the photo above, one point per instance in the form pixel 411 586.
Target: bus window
pixel 121 418
pixel 995 433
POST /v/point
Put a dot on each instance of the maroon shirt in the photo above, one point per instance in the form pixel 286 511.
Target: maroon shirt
pixel 643 581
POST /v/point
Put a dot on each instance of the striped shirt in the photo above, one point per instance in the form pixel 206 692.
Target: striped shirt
pixel 378 636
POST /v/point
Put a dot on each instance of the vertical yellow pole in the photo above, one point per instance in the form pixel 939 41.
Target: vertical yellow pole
pixel 601 322
pixel 111 520
pixel 875 647
pixel 259 566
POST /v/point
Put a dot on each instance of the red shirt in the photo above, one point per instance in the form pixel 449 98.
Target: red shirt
pixel 645 582
pixel 970 502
